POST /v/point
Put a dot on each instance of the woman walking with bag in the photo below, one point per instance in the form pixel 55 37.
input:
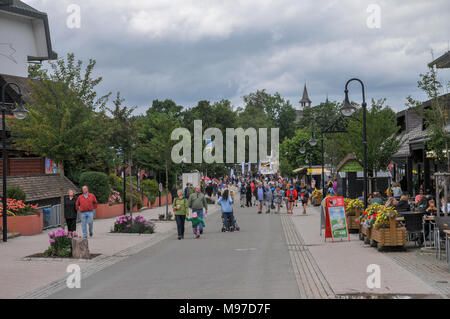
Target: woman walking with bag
pixel 180 210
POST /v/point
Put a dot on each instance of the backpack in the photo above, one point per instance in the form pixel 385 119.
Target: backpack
pixel 291 195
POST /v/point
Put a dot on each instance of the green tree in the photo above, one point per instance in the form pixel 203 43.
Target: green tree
pixel 63 123
pixel 155 144
pixel 382 137
pixel 437 116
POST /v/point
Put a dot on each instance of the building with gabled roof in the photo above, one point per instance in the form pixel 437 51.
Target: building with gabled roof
pixel 24 37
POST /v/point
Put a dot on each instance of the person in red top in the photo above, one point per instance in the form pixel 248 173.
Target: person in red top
pixel 86 204
pixel 291 196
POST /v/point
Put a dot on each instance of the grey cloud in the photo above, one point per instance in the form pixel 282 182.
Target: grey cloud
pixel 276 45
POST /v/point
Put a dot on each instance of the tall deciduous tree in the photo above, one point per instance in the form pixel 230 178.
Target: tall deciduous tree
pixel 67 121
pixel 436 117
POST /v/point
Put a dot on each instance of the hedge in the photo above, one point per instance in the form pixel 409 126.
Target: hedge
pixel 98 184
pixel 15 192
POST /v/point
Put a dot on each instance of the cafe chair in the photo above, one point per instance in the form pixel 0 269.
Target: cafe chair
pixel 414 228
pixel 442 223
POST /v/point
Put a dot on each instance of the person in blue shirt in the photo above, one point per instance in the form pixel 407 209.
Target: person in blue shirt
pixel 260 194
pixel 225 203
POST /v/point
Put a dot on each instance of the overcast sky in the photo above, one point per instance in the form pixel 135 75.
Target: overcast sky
pixel 191 50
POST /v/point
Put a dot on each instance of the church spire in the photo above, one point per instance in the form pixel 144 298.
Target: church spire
pixel 305 101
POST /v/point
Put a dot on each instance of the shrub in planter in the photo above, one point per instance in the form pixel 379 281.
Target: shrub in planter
pixel 150 188
pixel 130 225
pixel 137 201
pixel 98 184
pixel 163 216
pixel 60 243
pixel 114 198
pixel 15 192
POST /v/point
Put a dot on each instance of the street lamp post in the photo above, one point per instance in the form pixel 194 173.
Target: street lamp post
pixel 19 113
pixel 348 110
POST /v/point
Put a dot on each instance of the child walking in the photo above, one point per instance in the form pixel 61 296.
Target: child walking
pixel 196 222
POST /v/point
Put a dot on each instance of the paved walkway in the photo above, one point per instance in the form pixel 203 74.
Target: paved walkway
pixel 274 256
pixel 20 277
pixel 252 263
pixel 344 265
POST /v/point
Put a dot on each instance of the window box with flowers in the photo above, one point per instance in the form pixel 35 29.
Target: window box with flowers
pixel 23 218
pixel 113 208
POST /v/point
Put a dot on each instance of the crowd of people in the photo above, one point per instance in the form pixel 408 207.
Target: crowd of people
pixel 266 193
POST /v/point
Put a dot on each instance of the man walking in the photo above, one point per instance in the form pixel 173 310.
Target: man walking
pixel 197 201
pixel 86 204
pixel 260 193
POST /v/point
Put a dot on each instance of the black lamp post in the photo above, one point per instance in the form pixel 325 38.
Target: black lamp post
pixel 348 110
pixel 19 113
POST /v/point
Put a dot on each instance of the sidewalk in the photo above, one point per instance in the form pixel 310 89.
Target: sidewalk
pixel 344 263
pixel 19 276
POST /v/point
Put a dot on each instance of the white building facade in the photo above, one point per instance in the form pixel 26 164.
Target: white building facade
pixel 24 37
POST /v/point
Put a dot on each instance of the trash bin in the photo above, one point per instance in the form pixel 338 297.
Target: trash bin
pixel 46 212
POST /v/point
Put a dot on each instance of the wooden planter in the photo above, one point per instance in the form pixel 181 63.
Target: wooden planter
pixel 366 234
pixel 351 220
pixel 26 225
pixel 389 237
pixel 104 211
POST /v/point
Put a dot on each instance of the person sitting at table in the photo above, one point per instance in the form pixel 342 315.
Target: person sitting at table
pixel 402 205
pixel 376 199
pixel 443 205
pixel 419 196
pixel 431 209
pixel 369 198
pixel 422 204
pixel 391 202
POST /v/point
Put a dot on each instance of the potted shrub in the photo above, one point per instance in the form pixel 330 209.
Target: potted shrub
pixel 133 225
pixel 137 202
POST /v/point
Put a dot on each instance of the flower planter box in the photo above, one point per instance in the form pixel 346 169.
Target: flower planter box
pixel 352 216
pixel 26 225
pixel 365 234
pixel 389 237
pixel 104 211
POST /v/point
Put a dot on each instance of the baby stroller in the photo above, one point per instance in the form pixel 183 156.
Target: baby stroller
pixel 229 226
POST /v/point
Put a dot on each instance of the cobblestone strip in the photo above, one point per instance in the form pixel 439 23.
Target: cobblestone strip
pixel 431 272
pixel 101 263
pixel 311 281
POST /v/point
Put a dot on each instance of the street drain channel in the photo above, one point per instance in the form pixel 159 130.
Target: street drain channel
pixel 245 249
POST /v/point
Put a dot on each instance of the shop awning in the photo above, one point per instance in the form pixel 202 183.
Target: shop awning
pixel 311 171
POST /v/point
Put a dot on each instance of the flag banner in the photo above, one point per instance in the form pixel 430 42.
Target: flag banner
pixel 243 168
